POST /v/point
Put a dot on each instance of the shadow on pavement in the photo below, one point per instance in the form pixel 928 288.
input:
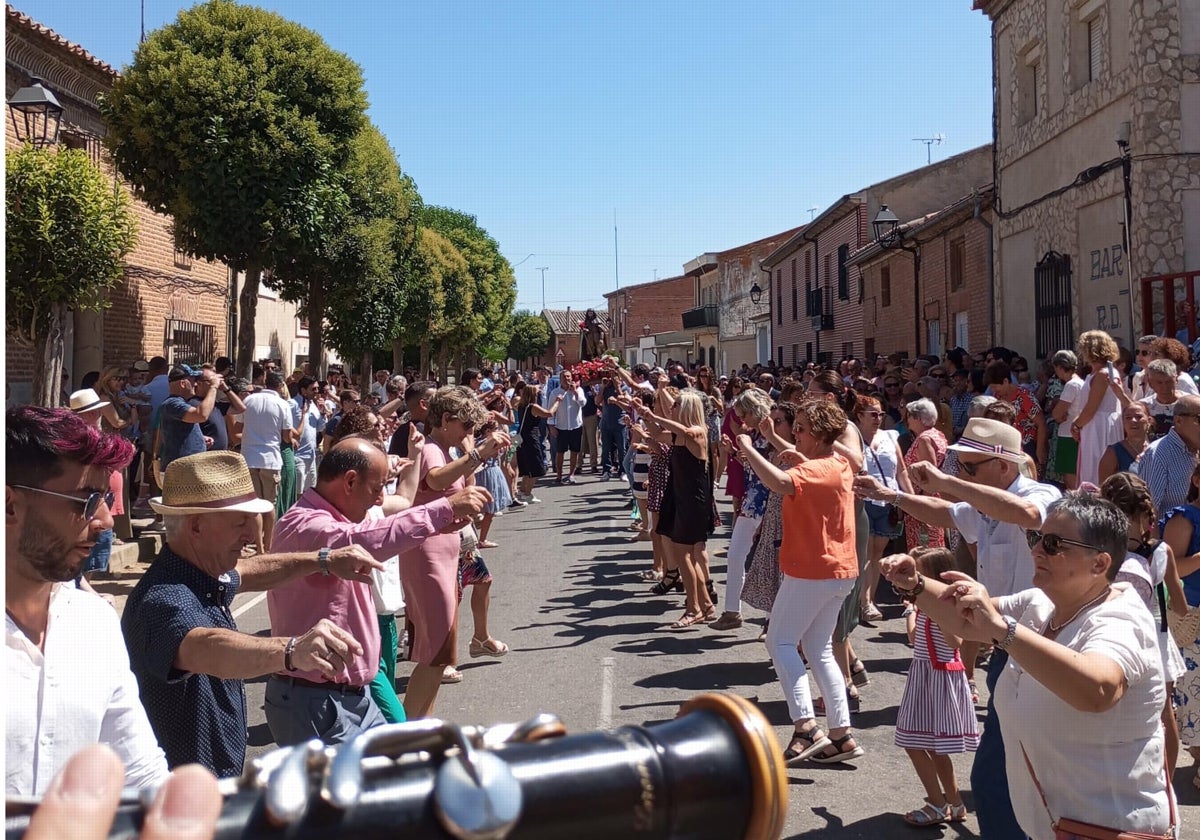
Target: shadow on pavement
pixel 708 678
pixel 879 826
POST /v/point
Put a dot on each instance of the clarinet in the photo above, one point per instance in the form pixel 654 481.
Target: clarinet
pixel 715 771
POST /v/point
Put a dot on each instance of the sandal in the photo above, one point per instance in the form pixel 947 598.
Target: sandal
pixel 840 754
pixel 710 615
pixel 814 738
pixel 854 701
pixel 687 622
pixel 451 675
pixel 651 575
pixel 956 813
pixel 858 673
pixel 670 582
pixel 870 614
pixel 974 691
pixel 712 591
pixel 491 647
pixel 928 815
pixel 486 544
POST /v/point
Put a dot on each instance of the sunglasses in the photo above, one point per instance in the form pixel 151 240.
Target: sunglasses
pixel 875 414
pixel 1053 544
pixel 972 468
pixel 91 503
pixel 891 384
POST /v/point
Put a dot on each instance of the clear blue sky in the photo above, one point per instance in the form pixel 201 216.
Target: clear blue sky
pixel 702 125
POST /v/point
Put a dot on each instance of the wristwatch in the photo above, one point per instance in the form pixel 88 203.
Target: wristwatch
pixel 323 560
pixel 1008 636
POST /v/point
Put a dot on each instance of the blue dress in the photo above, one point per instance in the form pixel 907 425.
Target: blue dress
pixel 491 478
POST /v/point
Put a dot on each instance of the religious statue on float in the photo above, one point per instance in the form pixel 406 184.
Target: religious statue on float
pixel 593 338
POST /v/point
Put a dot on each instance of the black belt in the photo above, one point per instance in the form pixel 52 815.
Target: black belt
pixel 340 688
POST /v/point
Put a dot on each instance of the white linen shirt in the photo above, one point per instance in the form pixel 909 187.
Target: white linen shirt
pixel 570 411
pixel 80 691
pixel 1005 560
pixel 266 416
pixel 1104 768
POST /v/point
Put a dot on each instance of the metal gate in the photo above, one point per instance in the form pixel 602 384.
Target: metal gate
pixel 189 343
pixel 1052 304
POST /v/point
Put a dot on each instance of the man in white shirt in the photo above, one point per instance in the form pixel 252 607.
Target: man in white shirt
pixel 266 424
pixel 996 506
pixel 379 386
pixel 67 674
pixel 566 426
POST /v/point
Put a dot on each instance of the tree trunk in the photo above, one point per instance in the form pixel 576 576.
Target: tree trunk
pixel 48 359
pixel 316 322
pixel 397 355
pixel 424 360
pixel 247 308
pixel 443 361
pixel 365 373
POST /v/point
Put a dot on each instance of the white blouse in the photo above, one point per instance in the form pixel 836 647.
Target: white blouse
pixel 1104 768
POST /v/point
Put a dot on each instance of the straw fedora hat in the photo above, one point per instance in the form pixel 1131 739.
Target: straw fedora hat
pixel 991 437
pixel 86 400
pixel 210 482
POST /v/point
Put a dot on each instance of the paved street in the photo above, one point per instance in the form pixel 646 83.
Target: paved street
pixel 588 644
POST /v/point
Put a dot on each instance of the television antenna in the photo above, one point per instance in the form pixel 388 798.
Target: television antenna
pixel 936 140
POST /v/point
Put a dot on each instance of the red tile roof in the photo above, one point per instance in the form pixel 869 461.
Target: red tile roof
pixel 26 22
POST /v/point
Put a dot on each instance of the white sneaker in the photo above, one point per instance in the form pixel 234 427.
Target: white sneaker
pixel 533 500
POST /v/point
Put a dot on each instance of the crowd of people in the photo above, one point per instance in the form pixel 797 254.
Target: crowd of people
pixel 1041 525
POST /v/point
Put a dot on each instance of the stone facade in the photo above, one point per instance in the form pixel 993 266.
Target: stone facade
pixel 167 303
pixel 1071 77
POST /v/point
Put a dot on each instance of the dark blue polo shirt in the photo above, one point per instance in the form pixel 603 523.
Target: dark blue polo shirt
pixel 196 717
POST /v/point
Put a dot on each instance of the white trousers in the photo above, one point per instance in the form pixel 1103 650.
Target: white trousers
pixel 739 548
pixel 306 475
pixel 806 611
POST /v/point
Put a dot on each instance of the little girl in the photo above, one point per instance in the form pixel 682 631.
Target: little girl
pixel 1150 568
pixel 936 717
pixel 491 477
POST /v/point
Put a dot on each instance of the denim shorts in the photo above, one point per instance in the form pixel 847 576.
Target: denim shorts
pixel 880 526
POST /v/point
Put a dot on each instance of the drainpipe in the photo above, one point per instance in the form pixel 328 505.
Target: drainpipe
pixel 991 269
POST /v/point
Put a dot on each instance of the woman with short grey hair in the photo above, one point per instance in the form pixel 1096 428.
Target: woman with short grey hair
pixel 929 446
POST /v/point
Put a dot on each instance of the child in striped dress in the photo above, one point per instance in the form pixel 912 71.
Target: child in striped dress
pixel 936 717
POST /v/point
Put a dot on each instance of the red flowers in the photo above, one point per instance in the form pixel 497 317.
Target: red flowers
pixel 595 368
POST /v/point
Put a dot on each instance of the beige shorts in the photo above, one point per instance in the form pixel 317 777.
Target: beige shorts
pixel 266 483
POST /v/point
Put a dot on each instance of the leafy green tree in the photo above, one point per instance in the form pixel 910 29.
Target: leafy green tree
pixel 530 335
pixel 493 288
pixel 68 227
pixel 440 273
pixel 350 278
pixel 237 122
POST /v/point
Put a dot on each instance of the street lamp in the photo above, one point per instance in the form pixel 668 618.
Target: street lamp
pixel 41 114
pixel 885 224
pixel 756 294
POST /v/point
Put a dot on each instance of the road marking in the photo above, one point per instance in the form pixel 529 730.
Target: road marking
pixel 251 604
pixel 606 692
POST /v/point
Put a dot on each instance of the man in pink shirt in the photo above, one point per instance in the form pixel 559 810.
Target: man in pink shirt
pixel 350 480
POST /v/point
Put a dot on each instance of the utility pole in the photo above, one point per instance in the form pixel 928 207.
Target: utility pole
pixel 616 262
pixel 543 269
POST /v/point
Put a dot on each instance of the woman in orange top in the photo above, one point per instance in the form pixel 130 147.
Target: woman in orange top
pixel 820 565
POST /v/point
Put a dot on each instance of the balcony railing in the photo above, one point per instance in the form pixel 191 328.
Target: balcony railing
pixel 701 316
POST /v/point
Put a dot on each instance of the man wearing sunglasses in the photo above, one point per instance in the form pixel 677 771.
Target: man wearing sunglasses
pixel 68 677
pixel 1167 464
pixel 997 505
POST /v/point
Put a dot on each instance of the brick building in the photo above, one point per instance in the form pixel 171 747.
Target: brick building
pixel 930 289
pixel 167 303
pixel 1081 89
pixel 646 319
pixel 816 294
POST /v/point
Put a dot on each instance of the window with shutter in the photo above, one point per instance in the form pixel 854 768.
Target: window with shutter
pixel 795 294
pixel 843 272
pixel 1095 48
pixel 885 286
pixel 779 296
pixel 958 251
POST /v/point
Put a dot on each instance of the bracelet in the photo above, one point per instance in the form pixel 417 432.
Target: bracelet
pixel 287 654
pixel 899 496
pixel 1004 643
pixel 475 456
pixel 323 559
pixel 910 594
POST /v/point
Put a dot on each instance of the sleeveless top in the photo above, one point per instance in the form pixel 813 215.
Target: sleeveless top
pixel 1191 583
pixel 1124 457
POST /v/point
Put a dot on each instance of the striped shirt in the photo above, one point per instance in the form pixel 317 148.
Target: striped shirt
pixel 1166 466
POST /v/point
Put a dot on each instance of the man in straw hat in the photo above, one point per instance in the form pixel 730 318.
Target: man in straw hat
pixel 997 505
pixel 68 677
pixel 185 649
pixel 303 703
